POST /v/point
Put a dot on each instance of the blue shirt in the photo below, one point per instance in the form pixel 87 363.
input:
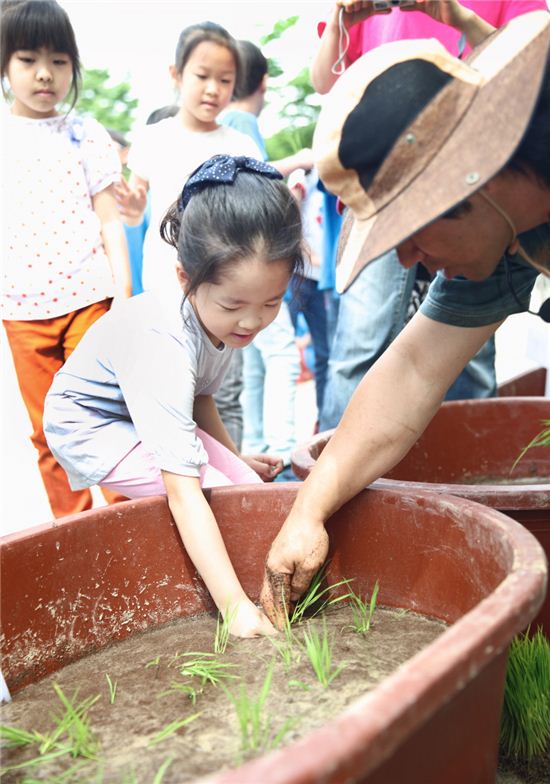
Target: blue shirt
pixel 469 303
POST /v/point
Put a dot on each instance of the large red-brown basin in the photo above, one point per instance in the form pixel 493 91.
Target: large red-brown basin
pixel 75 586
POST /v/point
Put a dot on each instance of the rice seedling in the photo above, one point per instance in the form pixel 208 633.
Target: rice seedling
pixel 541 439
pixel 159 775
pixel 184 688
pixel 362 610
pixel 154 662
pixel 71 734
pixel 525 721
pixel 171 728
pixel 312 602
pixel 112 689
pixel 205 667
pixel 287 648
pixel 223 623
pixel 319 650
pixel 257 733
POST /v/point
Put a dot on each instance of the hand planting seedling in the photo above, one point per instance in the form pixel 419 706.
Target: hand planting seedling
pixel 257 733
pixel 363 610
pixel 319 650
pixel 541 439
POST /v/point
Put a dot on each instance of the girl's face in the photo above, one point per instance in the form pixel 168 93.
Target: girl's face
pixel 245 300
pixel 206 85
pixel 39 80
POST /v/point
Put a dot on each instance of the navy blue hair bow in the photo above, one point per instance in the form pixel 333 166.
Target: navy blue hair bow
pixel 223 170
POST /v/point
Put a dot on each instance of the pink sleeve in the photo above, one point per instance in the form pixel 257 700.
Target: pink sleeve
pixel 498 13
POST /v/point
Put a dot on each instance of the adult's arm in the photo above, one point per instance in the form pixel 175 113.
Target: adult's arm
pixel 389 410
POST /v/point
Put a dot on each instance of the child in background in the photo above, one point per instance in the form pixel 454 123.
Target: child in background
pixel 64 251
pixel 126 409
pixel 206 70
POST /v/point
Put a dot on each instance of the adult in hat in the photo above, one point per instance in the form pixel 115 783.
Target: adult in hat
pixel 448 162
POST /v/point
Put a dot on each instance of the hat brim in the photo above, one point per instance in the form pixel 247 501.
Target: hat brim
pixel 483 142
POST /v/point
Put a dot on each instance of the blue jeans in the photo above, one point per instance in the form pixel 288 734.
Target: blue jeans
pixel 371 314
pixel 271 366
pixel 310 301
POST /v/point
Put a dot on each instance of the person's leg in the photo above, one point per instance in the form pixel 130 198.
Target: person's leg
pixel 316 319
pixel 228 399
pixel 252 399
pixel 281 360
pixel 77 325
pixel 138 476
pixel 370 315
pixel 37 351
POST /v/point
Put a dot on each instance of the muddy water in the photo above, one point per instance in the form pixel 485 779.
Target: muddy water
pixel 142 706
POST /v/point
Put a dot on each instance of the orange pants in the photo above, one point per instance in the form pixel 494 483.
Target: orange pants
pixel 39 348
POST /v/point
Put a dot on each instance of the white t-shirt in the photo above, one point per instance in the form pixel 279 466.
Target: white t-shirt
pixel 133 377
pixel 312 217
pixel 53 261
pixel 165 154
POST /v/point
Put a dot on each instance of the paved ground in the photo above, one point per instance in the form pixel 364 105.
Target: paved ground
pixel 23 500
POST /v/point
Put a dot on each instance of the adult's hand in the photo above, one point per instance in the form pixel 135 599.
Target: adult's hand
pixel 449 12
pixel 298 551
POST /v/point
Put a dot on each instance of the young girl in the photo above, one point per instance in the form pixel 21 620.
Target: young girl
pixel 64 254
pixel 125 410
pixel 163 155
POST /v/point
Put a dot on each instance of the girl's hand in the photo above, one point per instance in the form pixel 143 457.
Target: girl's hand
pixel 131 201
pixel 266 466
pixel 448 12
pixel 247 620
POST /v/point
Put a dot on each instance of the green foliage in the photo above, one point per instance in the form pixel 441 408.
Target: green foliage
pixel 255 724
pixel 363 610
pixel 71 735
pixel 223 624
pixel 319 650
pixel 110 104
pixel 525 722
pixel 205 667
pixel 312 602
pixel 541 439
pixel 172 728
pixel 112 688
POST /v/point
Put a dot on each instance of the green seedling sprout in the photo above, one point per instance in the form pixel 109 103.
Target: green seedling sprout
pixel 312 602
pixel 525 722
pixel 171 728
pixel 362 610
pixel 287 648
pixel 255 725
pixel 541 439
pixel 159 776
pixel 71 735
pixel 205 667
pixel 184 688
pixel 112 689
pixel 154 662
pixel 223 624
pixel 319 650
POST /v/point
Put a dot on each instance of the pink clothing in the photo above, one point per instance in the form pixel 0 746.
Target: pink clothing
pixel 137 475
pixel 406 25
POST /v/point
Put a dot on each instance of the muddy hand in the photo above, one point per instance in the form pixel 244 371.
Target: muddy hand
pixel 275 597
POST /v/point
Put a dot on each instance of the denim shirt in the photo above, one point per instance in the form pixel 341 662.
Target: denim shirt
pixel 469 303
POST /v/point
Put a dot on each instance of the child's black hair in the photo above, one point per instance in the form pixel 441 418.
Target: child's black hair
pixel 225 224
pixel 254 67
pixel 196 34
pixel 33 24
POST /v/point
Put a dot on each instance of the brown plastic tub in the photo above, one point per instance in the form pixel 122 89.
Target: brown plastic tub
pixel 532 384
pixel 468 449
pixel 102 575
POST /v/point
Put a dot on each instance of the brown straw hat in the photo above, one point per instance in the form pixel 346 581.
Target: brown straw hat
pixel 409 131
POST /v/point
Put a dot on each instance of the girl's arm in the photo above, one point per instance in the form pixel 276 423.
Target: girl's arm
pixel 132 199
pixel 203 542
pixel 453 14
pixel 112 232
